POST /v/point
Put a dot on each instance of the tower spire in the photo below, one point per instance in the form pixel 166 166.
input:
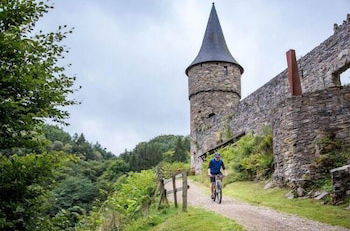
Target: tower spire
pixel 214 46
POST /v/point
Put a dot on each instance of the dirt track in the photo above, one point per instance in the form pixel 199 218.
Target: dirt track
pixel 249 216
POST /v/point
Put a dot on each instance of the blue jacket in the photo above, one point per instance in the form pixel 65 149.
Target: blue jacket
pixel 215 166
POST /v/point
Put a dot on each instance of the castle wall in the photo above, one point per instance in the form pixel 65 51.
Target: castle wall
pixel 318 70
pixel 298 125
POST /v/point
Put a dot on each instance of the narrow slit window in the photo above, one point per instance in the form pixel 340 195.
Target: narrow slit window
pixel 225 70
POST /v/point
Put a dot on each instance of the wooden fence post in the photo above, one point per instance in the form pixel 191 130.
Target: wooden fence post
pixel 184 191
pixel 165 197
pixel 174 188
pixel 161 191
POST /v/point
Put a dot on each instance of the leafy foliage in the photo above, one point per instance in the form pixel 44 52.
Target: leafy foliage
pixel 250 158
pixel 25 182
pixel 333 153
pixel 83 185
pixel 134 194
pixel 69 191
pixel 33 84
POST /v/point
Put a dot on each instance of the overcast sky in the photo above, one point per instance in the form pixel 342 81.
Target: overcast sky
pixel 129 56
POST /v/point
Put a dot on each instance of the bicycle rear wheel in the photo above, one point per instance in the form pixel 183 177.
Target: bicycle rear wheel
pixel 218 192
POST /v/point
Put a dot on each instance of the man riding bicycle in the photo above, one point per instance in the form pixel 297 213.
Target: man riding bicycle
pixel 214 168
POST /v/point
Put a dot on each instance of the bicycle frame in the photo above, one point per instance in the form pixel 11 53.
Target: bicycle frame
pixel 218 188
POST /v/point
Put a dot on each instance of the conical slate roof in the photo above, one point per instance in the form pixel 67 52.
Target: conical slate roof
pixel 214 47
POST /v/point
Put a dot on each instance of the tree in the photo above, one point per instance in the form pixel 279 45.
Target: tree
pixel 33 85
pixel 54 133
pixel 180 154
pixel 25 182
pixel 75 195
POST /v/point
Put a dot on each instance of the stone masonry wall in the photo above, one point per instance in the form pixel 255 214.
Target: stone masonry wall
pixel 299 123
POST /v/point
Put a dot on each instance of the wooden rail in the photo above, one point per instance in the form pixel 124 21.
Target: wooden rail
pixel 163 192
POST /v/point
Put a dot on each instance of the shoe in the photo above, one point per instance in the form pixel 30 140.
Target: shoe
pixel 212 197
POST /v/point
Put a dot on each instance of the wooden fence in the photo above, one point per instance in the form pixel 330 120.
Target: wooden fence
pixel 164 192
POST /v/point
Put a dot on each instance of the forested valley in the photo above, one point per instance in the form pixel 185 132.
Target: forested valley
pixel 56 187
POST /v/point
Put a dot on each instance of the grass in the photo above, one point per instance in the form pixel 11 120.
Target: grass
pixel 254 193
pixel 174 220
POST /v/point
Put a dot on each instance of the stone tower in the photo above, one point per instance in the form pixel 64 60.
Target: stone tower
pixel 214 79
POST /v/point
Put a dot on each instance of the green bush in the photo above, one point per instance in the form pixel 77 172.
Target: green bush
pixel 75 191
pixel 134 193
pixel 250 158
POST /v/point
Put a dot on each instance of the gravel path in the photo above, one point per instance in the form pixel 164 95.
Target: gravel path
pixel 249 216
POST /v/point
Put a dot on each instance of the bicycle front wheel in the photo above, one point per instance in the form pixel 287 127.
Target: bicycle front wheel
pixel 219 197
pixel 218 192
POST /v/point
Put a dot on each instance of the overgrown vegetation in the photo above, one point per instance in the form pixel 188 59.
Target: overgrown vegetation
pixel 131 200
pixel 250 158
pixel 132 196
pixel 330 153
pixel 333 153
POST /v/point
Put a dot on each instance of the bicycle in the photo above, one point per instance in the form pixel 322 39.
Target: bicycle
pixel 218 189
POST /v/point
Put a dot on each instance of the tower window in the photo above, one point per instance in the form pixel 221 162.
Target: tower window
pixel 225 70
pixel 211 115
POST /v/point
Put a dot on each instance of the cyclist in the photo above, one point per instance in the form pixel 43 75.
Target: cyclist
pixel 214 168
